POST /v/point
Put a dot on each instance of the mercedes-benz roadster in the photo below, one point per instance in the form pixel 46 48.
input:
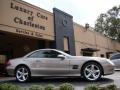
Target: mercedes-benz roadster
pixel 52 62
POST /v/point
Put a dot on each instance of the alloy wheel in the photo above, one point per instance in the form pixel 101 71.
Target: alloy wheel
pixel 22 74
pixel 92 72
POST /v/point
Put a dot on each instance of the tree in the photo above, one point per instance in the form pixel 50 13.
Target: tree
pixel 109 23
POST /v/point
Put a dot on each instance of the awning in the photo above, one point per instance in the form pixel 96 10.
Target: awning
pixel 109 52
pixel 90 49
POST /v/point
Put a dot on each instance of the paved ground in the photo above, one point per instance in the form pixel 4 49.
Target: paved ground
pixel 78 82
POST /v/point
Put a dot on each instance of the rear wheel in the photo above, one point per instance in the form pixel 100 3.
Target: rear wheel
pixel 22 74
pixel 92 71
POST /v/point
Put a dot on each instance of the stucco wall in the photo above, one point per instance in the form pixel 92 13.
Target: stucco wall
pixel 91 39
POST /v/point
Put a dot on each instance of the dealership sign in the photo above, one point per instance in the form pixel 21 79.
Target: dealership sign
pixel 26 19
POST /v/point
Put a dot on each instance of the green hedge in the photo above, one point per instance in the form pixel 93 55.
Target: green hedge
pixel 96 87
pixel 6 86
pixel 92 87
pixel 36 87
pixel 50 87
pixel 64 86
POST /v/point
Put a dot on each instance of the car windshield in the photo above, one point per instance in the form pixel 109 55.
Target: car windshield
pixel 64 53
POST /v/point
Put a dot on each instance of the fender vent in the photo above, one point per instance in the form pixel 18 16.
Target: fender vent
pixel 75 67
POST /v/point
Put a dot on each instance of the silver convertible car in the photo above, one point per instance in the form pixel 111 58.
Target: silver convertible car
pixel 52 62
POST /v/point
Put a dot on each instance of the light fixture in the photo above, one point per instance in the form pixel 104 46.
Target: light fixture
pixel 86 26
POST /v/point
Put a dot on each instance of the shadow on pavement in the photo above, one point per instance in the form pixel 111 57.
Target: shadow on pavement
pixel 76 81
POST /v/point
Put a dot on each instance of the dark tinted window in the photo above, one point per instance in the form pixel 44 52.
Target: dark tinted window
pixel 50 54
pixel 117 56
pixel 44 54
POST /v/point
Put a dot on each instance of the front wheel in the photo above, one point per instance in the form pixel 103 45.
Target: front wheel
pixel 92 71
pixel 22 74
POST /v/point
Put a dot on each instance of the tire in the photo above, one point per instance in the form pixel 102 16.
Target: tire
pixel 91 71
pixel 22 74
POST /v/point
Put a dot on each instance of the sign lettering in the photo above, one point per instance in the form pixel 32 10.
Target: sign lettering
pixel 28 32
pixel 29 22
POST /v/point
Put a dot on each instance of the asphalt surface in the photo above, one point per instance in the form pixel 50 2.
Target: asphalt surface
pixel 78 82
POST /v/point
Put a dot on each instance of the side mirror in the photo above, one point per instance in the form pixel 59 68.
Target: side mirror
pixel 61 56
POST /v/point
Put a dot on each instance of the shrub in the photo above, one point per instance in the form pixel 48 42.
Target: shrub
pixel 7 86
pixel 66 86
pixel 103 88
pixel 92 87
pixel 50 87
pixel 36 87
pixel 112 87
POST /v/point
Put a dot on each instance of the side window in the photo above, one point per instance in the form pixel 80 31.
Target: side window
pixel 51 54
pixel 38 54
pixel 115 57
pixel 44 54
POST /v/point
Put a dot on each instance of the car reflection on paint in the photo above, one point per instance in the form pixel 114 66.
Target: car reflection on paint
pixel 52 62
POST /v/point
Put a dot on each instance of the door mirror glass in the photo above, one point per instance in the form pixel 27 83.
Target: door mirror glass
pixel 61 56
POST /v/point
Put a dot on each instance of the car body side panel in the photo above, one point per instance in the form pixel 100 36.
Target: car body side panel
pixel 75 66
pixel 108 68
pixel 70 66
pixel 50 67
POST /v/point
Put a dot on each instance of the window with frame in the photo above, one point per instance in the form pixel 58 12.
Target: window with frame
pixel 37 54
pixel 51 54
pixel 44 54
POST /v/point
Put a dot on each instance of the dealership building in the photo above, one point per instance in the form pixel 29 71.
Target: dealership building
pixel 25 27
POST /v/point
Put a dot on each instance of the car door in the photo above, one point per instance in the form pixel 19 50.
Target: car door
pixel 47 62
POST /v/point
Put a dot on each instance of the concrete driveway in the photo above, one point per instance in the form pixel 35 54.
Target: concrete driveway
pixel 78 82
